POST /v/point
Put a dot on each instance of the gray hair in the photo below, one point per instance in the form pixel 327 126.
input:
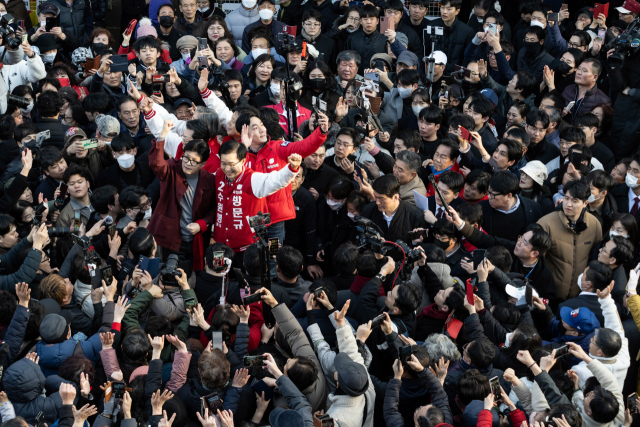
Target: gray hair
pixel 349 55
pixel 210 118
pixel 439 345
pixel 554 115
pixel 411 158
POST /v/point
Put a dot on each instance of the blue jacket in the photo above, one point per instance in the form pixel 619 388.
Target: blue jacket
pixel 14 337
pixel 52 355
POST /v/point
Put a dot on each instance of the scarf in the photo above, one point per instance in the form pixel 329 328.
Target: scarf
pixel 198 246
pixel 308 38
pixel 433 312
pixel 359 283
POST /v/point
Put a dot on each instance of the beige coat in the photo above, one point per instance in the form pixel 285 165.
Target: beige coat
pixel 406 191
pixel 569 253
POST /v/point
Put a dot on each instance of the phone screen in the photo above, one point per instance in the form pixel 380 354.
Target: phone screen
pixel 495 387
pixel 252 298
pixel 252 361
pixel 107 275
pixel 561 351
pixel 77 221
pixel 216 339
pixel 631 402
pixel 478 257
pixel 218 261
pixel 464 134
pixel 274 246
pixel 576 160
pixel 214 403
pixel 63 192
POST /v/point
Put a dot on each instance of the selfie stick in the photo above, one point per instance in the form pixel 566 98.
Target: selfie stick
pixel 432 179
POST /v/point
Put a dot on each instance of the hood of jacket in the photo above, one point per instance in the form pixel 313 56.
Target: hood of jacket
pixel 413 388
pixel 52 355
pixel 23 381
pixel 443 271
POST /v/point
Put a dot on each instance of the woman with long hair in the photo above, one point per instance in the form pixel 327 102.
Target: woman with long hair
pixel 320 82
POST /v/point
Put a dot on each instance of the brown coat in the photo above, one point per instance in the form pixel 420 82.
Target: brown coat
pixel 569 253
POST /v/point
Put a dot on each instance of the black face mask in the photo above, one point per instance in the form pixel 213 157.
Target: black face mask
pixel 469 87
pixel 532 48
pixel 317 84
pixel 564 68
pixel 100 48
pixel 454 137
pixel 166 21
pixel 443 245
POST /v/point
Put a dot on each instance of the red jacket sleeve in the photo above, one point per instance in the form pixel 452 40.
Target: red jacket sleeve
pixel 305 148
pixel 165 56
pixel 485 419
pixel 517 417
pixel 123 50
pixel 156 160
pixel 256 320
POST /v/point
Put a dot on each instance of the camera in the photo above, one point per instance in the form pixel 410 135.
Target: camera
pixel 260 220
pixel 17 100
pixel 37 214
pixel 287 42
pixel 7 32
pixel 411 256
pixel 58 231
pixel 369 235
pixel 626 45
pixel 170 271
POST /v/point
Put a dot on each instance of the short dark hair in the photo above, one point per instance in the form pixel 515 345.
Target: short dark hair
pixel 328 287
pixel 311 13
pixel 386 185
pixel 251 260
pixel 526 82
pixel 599 274
pixel 410 138
pixel 290 261
pixel 540 240
pixel 445 228
pixel 578 188
pixel 604 405
pixel 453 147
pixel 356 198
pixel 601 180
pixel 131 196
pixel 505 182
pixel 514 149
pixel 199 147
pixel 147 42
pixel 97 103
pixel 303 373
pixel 481 178
pixel 141 242
pixel 573 134
pixel 123 141
pixel 350 132
pixel 461 120
pixel 500 257
pixel 587 120
pixel 74 169
pixel 367 265
pixel 6 222
pixel 453 180
pixel 408 76
pixel 49 156
pixel 556 98
pixel 49 103
pixel 217 247
pixel 481 105
pixel 409 297
pixel 24 130
pixel 345 258
pixel 471 213
pixel 536 31
pixel 608 341
pixel 369 11
pixel 473 385
pixel 340 187
pixel 232 74
pixel 124 100
pixel 199 128
pixel 233 146
pixel 521 134
pixel 7 126
pixel 245 119
pixel 596 66
pixel 452 3
pixel 102 197
pixel 623 252
pixel 536 116
pixel 432 114
pixel 481 352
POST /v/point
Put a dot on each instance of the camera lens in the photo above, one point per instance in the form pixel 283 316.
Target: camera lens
pixel 58 231
pixel 17 100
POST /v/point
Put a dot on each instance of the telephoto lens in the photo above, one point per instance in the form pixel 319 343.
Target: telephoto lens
pixel 58 231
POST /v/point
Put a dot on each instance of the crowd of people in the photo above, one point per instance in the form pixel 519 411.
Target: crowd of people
pixel 329 214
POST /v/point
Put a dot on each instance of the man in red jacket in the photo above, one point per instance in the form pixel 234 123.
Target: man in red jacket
pixel 187 202
pixel 265 155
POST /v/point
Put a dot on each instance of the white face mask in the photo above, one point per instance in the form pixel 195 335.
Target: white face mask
pixel 335 204
pixel 404 92
pixel 266 14
pixel 48 57
pixel 631 181
pixel 352 216
pixel 126 160
pixel 204 9
pixel 28 109
pixel 506 339
pixel 537 23
pixel 592 198
pixel 351 30
pixel 615 233
pixel 249 4
pixel 147 213
pixel 257 52
pixel 416 109
pixel 480 20
pixel 186 56
pixel 580 280
pixel 275 88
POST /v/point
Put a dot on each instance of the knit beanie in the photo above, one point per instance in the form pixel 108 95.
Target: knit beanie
pixel 146 28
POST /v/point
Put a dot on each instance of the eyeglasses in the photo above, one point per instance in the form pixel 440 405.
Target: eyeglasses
pixel 312 24
pixel 353 19
pixel 493 195
pixel 534 130
pixel 190 162
pixel 343 144
pixel 438 156
pixel 565 143
pixel 144 206
pixel 229 165
pixel 576 45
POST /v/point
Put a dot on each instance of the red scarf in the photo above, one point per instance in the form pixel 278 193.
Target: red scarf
pixel 433 312
pixel 198 246
pixel 359 283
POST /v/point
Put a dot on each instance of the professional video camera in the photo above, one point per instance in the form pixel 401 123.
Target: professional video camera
pixel 411 256
pixel 17 100
pixel 170 271
pixel 259 221
pixel 7 32
pixel 369 235
pixel 626 45
pixel 370 119
pixel 221 84
pixel 287 42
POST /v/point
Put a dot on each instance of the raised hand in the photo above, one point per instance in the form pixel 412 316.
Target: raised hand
pixel 295 160
pixel 340 316
pixel 166 422
pixel 242 312
pixel 106 339
pixel 81 415
pixel 24 294
pixel 179 345
pixel 240 378
pixel 67 393
pixel 158 399
pixel 120 309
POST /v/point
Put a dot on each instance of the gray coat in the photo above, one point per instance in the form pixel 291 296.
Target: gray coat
pixel 392 104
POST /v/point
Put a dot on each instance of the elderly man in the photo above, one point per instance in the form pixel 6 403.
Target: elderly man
pixel 348 62
pixel 585 92
pixel 406 170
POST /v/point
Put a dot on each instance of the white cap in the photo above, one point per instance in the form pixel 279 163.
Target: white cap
pixel 439 57
pixel 536 170
pixel 518 293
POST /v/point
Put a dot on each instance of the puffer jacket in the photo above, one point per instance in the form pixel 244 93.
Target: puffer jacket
pixel 52 355
pixel 24 384
pixel 72 19
pixel 592 97
pixel 16 72
pixel 238 19
pixel 569 253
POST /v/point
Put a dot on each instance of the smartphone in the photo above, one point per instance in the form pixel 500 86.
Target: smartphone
pixel 479 255
pixel 528 294
pixel 385 24
pixel 415 235
pixel 216 338
pixel 464 134
pixel 602 32
pixel 139 217
pixel 274 246
pixel 119 63
pixel 252 361
pixel 552 17
pixel 493 28
pixel 189 303
pixel 260 386
pixel 377 321
pixel 252 298
pixel 599 8
pixel 93 63
pixel 564 6
pixel 569 106
pixel 52 23
pixel 444 90
pixel 351 157
pixel 631 402
pixel 131 26
pixel 372 76
pixel 561 351
pixel 358 171
pixel 21 24
pixel 157 89
pixel 495 388
pixel 150 265
pixel 77 240
pixel 203 62
pixel 576 160
pixel 318 292
pixel 218 261
pixel 323 421
pixel 161 78
pixel 25 38
pixel 118 389
pixel 77 221
pixel 89 143
pixel 107 275
pixel 63 192
pixel 41 136
pixel 469 289
pixel 202 43
pixel 213 402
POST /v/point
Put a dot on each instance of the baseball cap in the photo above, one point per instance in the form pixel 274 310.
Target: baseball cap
pixel 181 101
pixel 629 6
pixel 281 417
pixel 491 96
pixel 53 329
pixel 352 376
pixel 47 7
pixel 408 58
pixel 581 319
pixel 108 126
pixel 72 133
pixel 439 56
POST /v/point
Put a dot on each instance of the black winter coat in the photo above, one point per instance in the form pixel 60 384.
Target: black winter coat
pixel 72 19
pixel 366 45
pixel 329 10
pixel 300 232
pixel 453 43
pixel 57 131
pixel 407 218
